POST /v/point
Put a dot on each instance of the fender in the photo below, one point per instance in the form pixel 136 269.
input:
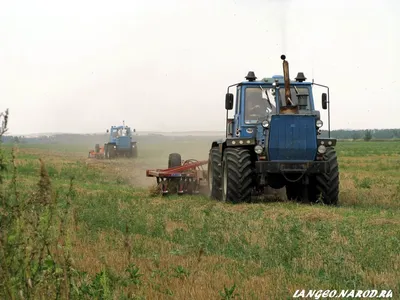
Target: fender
pixel 233 142
pixel 218 142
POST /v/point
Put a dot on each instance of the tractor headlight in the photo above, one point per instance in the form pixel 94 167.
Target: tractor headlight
pixel 115 147
pixel 258 149
pixel 319 123
pixel 265 123
pixel 321 149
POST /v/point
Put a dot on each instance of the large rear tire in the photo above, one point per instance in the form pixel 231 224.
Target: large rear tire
pixel 174 160
pixel 327 185
pixel 214 174
pixel 238 175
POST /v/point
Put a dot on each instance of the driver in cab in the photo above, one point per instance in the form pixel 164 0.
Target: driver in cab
pixel 256 106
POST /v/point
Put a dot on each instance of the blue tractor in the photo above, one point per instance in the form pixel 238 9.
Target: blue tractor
pixel 121 143
pixel 274 140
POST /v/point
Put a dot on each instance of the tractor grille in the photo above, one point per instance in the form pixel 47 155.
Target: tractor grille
pixel 292 137
pixel 124 142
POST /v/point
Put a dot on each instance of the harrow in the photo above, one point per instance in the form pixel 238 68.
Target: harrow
pixel 182 179
pixel 98 152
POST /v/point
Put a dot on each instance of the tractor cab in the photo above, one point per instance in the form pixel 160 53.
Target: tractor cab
pixel 120 131
pixel 258 101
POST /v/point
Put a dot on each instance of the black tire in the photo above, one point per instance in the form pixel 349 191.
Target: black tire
pixel 105 151
pixel 327 185
pixel 214 174
pixel 134 150
pixel 111 152
pixel 174 160
pixel 237 175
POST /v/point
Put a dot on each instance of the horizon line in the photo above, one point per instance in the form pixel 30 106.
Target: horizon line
pixel 171 132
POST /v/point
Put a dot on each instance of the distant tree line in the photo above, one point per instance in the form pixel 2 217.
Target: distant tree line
pixel 89 139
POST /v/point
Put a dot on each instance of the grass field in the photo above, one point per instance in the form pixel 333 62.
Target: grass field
pixel 118 241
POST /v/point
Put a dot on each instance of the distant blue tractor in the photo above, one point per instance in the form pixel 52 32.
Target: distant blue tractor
pixel 274 141
pixel 120 143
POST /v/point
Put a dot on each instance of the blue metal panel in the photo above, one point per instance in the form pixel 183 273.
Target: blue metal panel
pixel 292 137
pixel 260 136
pixel 124 142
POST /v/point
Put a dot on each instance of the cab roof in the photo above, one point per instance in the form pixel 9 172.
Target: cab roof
pixel 270 80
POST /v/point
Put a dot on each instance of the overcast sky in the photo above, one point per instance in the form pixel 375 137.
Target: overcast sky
pixel 82 66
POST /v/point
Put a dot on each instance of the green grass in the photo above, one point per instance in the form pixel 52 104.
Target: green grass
pixel 192 247
pixel 361 149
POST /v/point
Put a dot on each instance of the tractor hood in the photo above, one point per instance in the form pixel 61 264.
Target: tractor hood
pixel 292 137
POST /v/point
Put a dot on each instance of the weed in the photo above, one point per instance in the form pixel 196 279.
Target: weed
pixel 180 272
pixel 364 183
pixel 229 293
pixel 134 275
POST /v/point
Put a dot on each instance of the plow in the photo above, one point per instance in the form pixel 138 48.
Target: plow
pixel 181 176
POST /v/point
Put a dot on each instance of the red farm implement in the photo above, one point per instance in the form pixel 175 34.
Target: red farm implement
pixel 182 176
pixel 98 152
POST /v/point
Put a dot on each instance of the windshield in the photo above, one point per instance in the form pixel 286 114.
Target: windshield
pixel 120 132
pixel 297 93
pixel 257 106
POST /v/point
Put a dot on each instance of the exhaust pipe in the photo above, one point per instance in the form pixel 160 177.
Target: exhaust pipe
pixel 288 108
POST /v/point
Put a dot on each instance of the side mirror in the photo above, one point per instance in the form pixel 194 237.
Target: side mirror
pixel 134 130
pixel 108 131
pixel 228 101
pixel 324 101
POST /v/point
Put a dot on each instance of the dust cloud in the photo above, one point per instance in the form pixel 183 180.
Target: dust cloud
pixel 281 8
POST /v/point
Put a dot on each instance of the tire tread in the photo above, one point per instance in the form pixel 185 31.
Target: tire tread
pixel 328 184
pixel 240 175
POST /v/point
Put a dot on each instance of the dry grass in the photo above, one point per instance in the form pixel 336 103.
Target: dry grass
pixel 195 248
pixel 186 276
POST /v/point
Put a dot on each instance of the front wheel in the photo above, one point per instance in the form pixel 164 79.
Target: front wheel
pixel 134 150
pixel 238 175
pixel 327 185
pixel 106 151
pixel 111 152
